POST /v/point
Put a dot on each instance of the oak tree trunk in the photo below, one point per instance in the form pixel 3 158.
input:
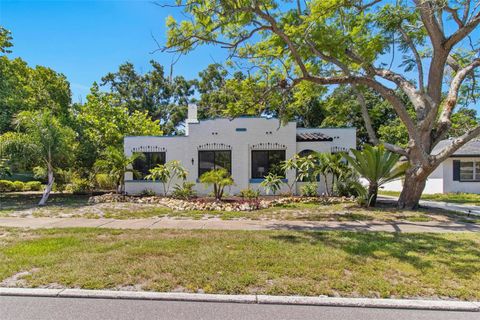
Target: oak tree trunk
pixel 411 192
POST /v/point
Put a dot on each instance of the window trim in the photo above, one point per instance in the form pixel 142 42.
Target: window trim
pixel 214 158
pixel 252 178
pixel 476 175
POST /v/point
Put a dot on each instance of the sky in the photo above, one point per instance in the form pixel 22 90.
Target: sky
pixel 85 40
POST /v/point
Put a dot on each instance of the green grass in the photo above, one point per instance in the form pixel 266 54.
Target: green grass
pixel 270 262
pixel 466 198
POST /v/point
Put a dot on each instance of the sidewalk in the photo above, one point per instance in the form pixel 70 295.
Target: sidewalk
pixel 218 224
pixel 463 208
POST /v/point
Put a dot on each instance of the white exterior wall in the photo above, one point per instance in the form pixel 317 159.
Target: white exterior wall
pixel 224 131
pixel 434 183
pixel 451 186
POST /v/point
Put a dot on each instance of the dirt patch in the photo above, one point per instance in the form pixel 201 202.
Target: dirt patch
pixel 17 280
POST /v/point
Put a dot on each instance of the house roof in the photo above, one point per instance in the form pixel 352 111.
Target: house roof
pixel 471 148
pixel 312 136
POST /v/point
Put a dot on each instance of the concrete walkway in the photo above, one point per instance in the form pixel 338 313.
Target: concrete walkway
pixel 218 224
pixel 463 208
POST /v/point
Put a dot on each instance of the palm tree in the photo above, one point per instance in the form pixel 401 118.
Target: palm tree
pixel 219 178
pixel 43 140
pixel 378 166
pixel 116 164
pixel 166 173
pixel 329 165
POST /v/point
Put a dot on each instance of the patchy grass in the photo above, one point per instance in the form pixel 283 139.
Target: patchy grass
pixel 63 205
pixel 463 198
pixel 28 202
pixel 350 264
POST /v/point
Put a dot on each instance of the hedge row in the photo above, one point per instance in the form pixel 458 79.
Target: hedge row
pixel 10 186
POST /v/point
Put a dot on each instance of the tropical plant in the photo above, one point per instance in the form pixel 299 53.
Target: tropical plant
pixel 219 179
pixel 44 139
pixel 271 183
pixel 309 189
pixel 166 173
pixel 330 167
pixel 249 194
pixel 4 169
pixel 116 164
pixel 378 166
pixel 184 191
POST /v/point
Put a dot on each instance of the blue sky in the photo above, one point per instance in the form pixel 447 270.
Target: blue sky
pixel 87 39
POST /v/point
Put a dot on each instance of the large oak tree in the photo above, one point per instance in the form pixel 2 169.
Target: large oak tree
pixel 357 43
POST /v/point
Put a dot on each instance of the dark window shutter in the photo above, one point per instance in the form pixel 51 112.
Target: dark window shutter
pixel 456 170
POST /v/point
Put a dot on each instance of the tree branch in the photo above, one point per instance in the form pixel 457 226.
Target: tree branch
pixel 418 59
pixel 454 146
pixel 454 13
pixel 430 22
pixel 463 32
pixel 444 122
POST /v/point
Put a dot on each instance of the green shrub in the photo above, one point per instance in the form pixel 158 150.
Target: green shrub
pixel 59 187
pixel 6 186
pixel 79 186
pixel 249 193
pixel 184 191
pixel 18 186
pixel 104 181
pixel 147 193
pixel 309 189
pixel 219 179
pixel 33 186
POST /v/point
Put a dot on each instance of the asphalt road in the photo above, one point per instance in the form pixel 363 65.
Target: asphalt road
pixel 19 308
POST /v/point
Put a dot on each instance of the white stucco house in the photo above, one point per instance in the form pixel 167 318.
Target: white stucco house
pixel 248 147
pixel 459 173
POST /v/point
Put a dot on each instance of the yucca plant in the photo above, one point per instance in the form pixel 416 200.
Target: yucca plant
pixel 378 166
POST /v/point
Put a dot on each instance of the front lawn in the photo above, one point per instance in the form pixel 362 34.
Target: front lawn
pixel 352 264
pixel 463 198
pixel 65 205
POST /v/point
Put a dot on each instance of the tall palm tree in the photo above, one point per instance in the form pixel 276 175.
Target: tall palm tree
pixel 116 164
pixel 378 166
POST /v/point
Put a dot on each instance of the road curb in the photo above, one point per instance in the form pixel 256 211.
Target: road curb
pixel 445 305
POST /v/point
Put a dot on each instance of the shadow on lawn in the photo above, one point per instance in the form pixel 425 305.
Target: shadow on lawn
pixel 421 250
pixel 26 201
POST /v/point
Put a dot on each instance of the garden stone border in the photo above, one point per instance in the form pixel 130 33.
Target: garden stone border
pixel 228 206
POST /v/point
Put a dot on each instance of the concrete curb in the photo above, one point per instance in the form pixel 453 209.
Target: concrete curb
pixel 444 305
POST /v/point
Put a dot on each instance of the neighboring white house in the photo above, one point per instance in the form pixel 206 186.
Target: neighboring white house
pixel 459 173
pixel 248 147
